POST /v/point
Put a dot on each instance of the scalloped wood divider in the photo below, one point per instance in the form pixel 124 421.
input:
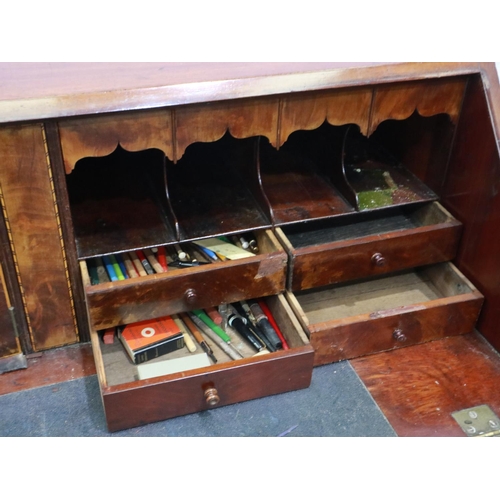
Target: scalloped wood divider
pixel 172 130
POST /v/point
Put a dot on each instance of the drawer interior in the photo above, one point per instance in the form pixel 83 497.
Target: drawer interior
pixel 365 225
pixel 118 369
pixel 389 293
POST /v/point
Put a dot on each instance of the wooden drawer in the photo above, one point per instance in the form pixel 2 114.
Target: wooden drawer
pixel 129 402
pixel 355 319
pixel 374 245
pixel 121 302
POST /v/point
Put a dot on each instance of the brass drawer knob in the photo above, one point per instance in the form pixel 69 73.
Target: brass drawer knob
pixel 399 335
pixel 212 397
pixel 191 296
pixel 378 259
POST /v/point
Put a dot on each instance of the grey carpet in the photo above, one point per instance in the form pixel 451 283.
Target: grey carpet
pixel 336 404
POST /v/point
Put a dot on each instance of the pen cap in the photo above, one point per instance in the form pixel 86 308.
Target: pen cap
pixel 265 326
pixel 239 325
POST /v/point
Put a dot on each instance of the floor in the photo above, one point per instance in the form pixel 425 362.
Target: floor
pixel 408 392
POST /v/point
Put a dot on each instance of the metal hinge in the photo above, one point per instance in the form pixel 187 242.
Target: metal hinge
pixel 479 421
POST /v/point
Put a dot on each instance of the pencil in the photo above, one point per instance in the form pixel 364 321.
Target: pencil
pixel 198 336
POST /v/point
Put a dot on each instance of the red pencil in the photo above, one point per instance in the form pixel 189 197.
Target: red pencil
pixel 267 312
pixel 162 258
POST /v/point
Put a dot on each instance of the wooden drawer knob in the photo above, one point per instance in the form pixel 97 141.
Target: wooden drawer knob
pixel 399 335
pixel 190 296
pixel 378 259
pixel 212 397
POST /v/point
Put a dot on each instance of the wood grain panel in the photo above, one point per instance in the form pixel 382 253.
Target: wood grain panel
pixel 138 403
pixel 28 194
pixel 400 100
pixel 419 387
pixel 100 135
pixel 472 194
pixel 210 121
pixel 307 111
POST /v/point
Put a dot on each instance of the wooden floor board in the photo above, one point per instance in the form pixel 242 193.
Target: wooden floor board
pixel 419 387
pixel 50 367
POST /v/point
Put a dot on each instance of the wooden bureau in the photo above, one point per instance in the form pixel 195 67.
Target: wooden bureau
pixel 371 189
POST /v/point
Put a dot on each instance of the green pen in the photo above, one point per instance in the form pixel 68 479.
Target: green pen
pixel 219 331
pixel 116 267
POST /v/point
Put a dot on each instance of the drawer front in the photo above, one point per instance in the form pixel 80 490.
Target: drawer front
pixel 129 402
pixel 117 303
pixel 238 381
pixel 405 326
pixel 371 256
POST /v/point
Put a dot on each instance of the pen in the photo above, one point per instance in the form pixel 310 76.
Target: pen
pixel 137 264
pixel 109 268
pixel 191 347
pixel 153 261
pixel 116 267
pixel 262 321
pixel 238 323
pixel 129 266
pixel 227 348
pixel 162 258
pixel 219 331
pixel 271 319
pixel 144 262
pixel 121 264
pixel 197 335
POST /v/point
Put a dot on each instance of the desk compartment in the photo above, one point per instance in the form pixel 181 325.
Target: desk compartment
pixel 369 245
pixel 129 402
pixel 359 318
pixel 177 290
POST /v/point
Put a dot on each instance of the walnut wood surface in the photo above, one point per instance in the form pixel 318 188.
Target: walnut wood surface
pixel 307 111
pixel 100 135
pixel 398 101
pixel 419 387
pixel 208 122
pixel 30 207
pixel 8 343
pixel 470 193
pixel 319 265
pixel 43 90
pixel 238 381
pixel 346 331
pixel 135 299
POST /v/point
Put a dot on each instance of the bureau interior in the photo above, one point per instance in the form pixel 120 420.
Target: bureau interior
pixel 120 369
pixel 391 292
pixel 359 225
pixel 118 203
pixel 214 189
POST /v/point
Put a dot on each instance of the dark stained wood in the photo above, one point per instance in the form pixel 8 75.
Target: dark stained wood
pixel 307 111
pixel 335 339
pixel 50 367
pixel 401 100
pixel 471 194
pixel 46 90
pixel 31 210
pixel 208 122
pixel 318 263
pixel 135 403
pixel 100 135
pixel 8 342
pixel 419 387
pixel 135 299
pixel 214 189
pixel 61 192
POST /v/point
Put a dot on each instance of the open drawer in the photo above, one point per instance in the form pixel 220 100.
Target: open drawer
pixel 355 319
pixel 177 290
pixel 129 402
pixel 349 248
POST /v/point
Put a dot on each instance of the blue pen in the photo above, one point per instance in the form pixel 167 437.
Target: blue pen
pixel 109 268
pixel 207 251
